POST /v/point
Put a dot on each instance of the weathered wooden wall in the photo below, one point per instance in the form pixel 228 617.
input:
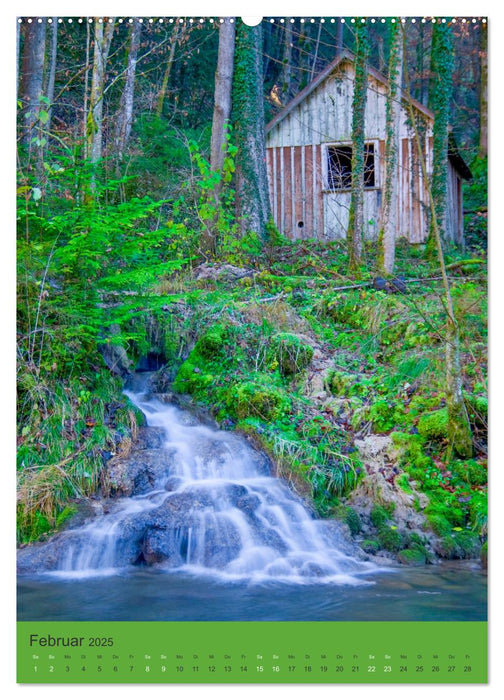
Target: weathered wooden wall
pixel 302 204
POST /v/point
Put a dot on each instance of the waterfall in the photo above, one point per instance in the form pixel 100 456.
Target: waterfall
pixel 211 508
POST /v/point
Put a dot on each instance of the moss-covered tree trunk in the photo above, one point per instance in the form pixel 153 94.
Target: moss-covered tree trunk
pixel 388 229
pixel 125 114
pixel 459 429
pixel 94 122
pixel 252 195
pixel 51 73
pixel 32 74
pixel 440 92
pixel 356 215
pixel 483 128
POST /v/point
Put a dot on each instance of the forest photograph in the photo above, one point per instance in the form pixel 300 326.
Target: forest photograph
pixel 252 318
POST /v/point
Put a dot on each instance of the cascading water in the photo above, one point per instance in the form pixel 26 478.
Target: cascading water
pixel 211 507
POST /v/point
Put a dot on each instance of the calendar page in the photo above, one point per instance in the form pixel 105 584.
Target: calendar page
pixel 252 349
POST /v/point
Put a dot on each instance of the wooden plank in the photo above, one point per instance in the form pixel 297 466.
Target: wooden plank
pixel 303 190
pixel 308 196
pixel 282 190
pixel 274 205
pixel 404 188
pixel 317 223
pixel 287 199
pixel 298 192
pixel 320 198
pixel 292 193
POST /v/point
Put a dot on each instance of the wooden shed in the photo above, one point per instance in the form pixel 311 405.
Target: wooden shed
pixel 309 152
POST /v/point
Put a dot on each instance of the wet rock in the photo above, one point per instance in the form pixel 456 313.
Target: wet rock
pixel 150 438
pixel 41 556
pixel 137 473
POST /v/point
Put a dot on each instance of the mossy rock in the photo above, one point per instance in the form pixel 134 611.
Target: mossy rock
pixel 379 516
pixel 340 383
pixel 439 525
pixel 190 377
pixel 434 425
pixel 411 557
pixel 370 546
pixel 390 538
pixel 253 399
pixel 211 345
pixel 291 354
pixel 460 545
pixel 349 516
pixel 470 471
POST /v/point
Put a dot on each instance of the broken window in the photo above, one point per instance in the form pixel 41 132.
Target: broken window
pixel 339 167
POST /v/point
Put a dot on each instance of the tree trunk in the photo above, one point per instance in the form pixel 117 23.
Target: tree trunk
pixel 317 44
pixel 168 69
pixel 339 36
pixel 483 131
pixel 94 128
pixel 252 195
pixel 440 91
pixel 32 74
pixel 223 89
pixel 125 116
pixel 356 215
pixel 286 72
pixel 388 230
pixel 51 77
pixel 459 429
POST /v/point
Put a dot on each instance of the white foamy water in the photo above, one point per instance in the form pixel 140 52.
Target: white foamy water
pixel 223 516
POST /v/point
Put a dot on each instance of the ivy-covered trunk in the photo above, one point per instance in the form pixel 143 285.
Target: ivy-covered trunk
pixel 388 230
pixel 459 429
pixel 252 196
pixel 356 215
pixel 440 91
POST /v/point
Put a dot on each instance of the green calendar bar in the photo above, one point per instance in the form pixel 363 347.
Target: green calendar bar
pixel 252 652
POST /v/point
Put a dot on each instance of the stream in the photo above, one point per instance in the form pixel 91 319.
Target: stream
pixel 207 533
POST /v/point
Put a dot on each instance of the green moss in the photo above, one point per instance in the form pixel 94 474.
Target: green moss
pixel 290 353
pixel 439 525
pixel 211 345
pixel 390 538
pixel 434 426
pixel 370 546
pixel 340 383
pixel 350 516
pixel 403 482
pixel 379 516
pixel 256 399
pixel 460 545
pixel 471 472
pixel 411 557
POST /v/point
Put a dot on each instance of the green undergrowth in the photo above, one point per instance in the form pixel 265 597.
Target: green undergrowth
pixel 252 358
pixel 69 430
